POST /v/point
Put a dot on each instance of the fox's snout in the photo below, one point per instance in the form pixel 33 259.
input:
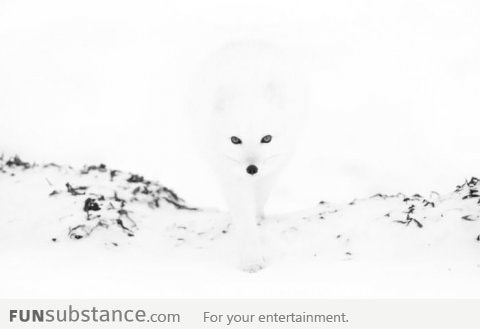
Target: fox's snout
pixel 252 169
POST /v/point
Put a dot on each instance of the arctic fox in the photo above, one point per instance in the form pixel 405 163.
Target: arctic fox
pixel 248 103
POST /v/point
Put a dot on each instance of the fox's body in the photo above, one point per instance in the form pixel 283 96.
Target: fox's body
pixel 248 103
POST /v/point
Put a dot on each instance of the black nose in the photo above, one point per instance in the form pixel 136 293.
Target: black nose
pixel 252 169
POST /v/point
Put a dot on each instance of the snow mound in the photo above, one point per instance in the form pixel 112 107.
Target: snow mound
pixel 96 198
pixel 86 201
pixel 73 220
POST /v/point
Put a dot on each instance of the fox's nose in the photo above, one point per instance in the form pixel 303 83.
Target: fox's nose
pixel 252 169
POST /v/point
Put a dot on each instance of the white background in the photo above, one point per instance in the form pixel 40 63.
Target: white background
pixel 395 89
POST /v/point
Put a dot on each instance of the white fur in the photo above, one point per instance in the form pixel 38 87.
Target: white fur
pixel 248 90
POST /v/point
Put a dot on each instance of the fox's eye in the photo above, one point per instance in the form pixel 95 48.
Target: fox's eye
pixel 266 139
pixel 235 140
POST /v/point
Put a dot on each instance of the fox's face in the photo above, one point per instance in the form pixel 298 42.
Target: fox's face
pixel 251 133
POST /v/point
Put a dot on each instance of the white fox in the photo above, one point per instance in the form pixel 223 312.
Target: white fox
pixel 249 103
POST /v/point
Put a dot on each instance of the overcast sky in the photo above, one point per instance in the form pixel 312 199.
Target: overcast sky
pixel 395 88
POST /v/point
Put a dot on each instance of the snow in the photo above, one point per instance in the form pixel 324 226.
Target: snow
pixel 66 241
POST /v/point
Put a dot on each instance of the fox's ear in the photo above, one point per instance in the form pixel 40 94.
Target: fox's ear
pixel 273 92
pixel 222 97
pixel 219 104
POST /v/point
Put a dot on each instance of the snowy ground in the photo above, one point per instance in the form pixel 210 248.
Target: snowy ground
pixel 98 232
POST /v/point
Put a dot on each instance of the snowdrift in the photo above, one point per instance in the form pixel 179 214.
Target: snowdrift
pixel 101 232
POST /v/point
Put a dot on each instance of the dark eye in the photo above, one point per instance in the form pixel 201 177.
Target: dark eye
pixel 266 139
pixel 235 140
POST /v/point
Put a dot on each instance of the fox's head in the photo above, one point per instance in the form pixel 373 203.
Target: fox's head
pixel 252 130
pixel 247 103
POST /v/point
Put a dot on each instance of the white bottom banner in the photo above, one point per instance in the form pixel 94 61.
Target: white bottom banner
pixel 240 313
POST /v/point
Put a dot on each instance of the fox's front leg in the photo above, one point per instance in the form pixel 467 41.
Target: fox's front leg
pixel 263 189
pixel 243 210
